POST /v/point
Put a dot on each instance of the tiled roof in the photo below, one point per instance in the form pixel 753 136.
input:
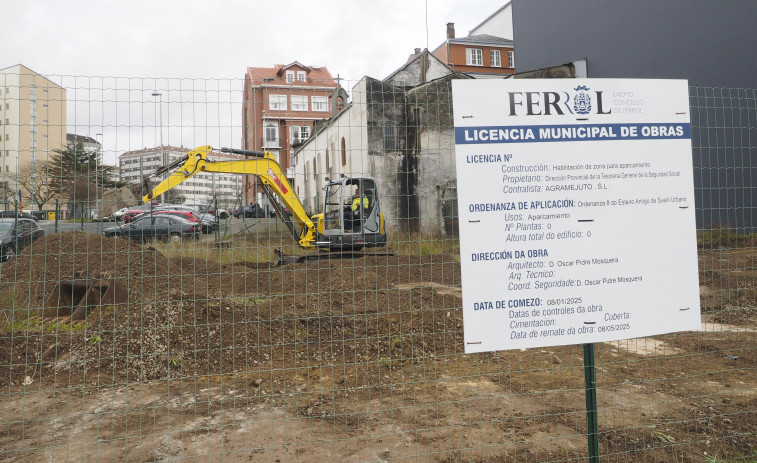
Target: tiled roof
pixel 483 38
pixel 317 77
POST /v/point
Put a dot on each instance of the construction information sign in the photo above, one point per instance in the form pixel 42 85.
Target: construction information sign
pixel 576 207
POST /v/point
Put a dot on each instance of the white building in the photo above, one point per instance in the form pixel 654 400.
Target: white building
pixel 498 24
pixel 200 189
pixel 88 143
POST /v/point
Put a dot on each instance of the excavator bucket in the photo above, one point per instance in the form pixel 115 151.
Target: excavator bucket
pixel 77 298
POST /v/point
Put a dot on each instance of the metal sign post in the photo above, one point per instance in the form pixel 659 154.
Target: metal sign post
pixel 592 426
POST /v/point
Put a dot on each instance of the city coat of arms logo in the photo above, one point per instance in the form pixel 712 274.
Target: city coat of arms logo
pixel 582 100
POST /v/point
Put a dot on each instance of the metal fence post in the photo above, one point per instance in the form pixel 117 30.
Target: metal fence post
pixel 592 427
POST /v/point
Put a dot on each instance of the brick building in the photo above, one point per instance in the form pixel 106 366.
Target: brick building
pixel 479 56
pixel 280 108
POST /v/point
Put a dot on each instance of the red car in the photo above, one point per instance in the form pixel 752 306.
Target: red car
pixel 185 214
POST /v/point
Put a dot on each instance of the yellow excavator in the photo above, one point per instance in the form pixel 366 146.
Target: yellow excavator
pixel 347 223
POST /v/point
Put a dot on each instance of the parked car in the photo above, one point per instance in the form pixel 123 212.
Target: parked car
pixel 208 221
pixel 222 214
pixel 13 214
pixel 202 209
pixel 119 214
pixel 132 214
pixel 165 227
pixel 252 211
pixel 15 234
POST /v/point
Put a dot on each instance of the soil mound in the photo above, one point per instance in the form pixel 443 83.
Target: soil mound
pixel 26 279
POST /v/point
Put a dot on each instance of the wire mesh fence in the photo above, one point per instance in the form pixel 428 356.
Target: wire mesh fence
pixel 247 339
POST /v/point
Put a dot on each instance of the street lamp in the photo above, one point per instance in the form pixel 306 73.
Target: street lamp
pixel 160 106
pixel 163 154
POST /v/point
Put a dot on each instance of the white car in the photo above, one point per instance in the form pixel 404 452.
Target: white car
pixel 119 214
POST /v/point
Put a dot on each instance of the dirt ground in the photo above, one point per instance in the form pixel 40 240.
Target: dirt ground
pixel 347 359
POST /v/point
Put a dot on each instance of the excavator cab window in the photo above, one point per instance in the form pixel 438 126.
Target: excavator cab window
pixel 333 215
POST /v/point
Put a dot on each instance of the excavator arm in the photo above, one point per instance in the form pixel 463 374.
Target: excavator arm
pixel 263 165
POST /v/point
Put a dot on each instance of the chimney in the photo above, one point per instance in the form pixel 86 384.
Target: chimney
pixel 417 51
pixel 450 30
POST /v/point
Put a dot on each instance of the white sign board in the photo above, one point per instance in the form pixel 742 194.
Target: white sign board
pixel 576 205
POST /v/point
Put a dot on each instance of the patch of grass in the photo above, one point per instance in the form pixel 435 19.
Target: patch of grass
pixel 750 458
pixel 175 361
pixel 242 248
pixel 37 325
pixel 724 238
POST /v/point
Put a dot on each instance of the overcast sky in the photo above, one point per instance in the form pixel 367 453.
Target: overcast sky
pixel 204 47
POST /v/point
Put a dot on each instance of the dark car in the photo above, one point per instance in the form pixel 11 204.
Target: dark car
pixel 251 211
pixel 15 234
pixel 13 214
pixel 165 227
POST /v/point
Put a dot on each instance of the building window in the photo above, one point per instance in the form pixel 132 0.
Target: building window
pixel 301 76
pixel 271 134
pixel 496 58
pixel 299 134
pixel 320 103
pixel 344 152
pixel 511 59
pixel 299 103
pixel 277 102
pixel 290 76
pixel 474 57
pixel 390 138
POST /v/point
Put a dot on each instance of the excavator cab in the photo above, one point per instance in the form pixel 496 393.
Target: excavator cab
pixel 352 216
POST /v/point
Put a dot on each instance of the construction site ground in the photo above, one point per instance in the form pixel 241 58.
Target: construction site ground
pixel 355 359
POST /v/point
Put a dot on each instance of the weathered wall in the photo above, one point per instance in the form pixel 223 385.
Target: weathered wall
pixel 431 146
pixel 424 68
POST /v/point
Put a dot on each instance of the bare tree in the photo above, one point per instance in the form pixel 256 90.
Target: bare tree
pixel 33 182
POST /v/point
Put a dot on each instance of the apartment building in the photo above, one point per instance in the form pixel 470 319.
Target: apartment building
pixel 32 120
pixel 202 188
pixel 281 106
